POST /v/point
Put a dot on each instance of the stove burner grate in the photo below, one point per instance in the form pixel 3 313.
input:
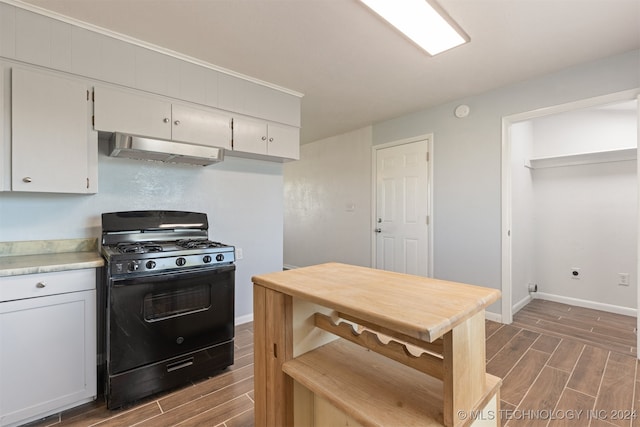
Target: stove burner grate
pixel 138 247
pixel 198 244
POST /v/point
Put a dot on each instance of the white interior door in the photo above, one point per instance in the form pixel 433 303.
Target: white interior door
pixel 402 206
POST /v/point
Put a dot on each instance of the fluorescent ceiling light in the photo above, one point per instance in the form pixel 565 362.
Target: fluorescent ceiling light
pixel 423 22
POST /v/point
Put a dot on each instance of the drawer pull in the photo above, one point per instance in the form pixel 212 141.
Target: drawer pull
pixel 179 365
pixel 40 285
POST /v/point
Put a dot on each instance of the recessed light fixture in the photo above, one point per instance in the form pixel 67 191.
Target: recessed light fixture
pixel 423 21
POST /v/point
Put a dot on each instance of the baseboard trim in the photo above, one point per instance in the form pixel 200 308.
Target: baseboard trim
pixel 495 317
pixel 518 306
pixel 587 304
pixel 244 319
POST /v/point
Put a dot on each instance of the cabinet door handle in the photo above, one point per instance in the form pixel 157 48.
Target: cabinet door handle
pixel 27 179
pixel 177 122
pixel 165 120
pixel 40 285
pixel 270 139
pixel 264 138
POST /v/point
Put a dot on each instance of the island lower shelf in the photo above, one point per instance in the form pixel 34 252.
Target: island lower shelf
pixel 372 389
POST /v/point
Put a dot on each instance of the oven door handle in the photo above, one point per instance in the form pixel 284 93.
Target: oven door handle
pixel 179 365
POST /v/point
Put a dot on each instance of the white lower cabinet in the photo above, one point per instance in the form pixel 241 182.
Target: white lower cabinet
pixel 47 344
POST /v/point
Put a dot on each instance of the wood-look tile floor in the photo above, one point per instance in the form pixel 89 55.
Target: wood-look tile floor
pixel 565 366
pixel 561 366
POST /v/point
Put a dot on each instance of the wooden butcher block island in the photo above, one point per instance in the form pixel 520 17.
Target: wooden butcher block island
pixel 339 345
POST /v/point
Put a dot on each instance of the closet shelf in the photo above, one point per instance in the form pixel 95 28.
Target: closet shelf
pixel 582 158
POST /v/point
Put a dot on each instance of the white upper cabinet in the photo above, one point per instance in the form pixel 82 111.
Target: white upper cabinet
pixel 7 30
pixel 201 126
pixel 284 141
pixel 255 100
pixel 128 112
pixel 52 146
pixel 253 137
pixel 146 90
pixel 249 136
pixel 42 40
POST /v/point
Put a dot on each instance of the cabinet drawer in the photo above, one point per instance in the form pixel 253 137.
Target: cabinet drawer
pixel 42 284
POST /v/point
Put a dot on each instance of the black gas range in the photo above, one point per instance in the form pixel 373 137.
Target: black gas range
pixel 169 302
pixel 147 242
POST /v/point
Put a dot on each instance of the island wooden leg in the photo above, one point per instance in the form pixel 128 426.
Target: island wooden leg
pixel 464 379
pixel 273 345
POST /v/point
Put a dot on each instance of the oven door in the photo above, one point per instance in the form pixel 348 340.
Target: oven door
pixel 157 317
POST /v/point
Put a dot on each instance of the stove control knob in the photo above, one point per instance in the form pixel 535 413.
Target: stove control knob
pixel 206 259
pixel 151 265
pixel 180 262
pixel 133 266
pixel 219 257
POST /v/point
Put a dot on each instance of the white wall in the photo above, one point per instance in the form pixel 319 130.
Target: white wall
pixel 467 181
pixel 467 153
pixel 327 214
pixel 522 213
pixel 586 215
pixel 601 128
pixel 242 198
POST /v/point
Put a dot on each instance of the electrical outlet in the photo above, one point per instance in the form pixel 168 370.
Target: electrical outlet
pixel 575 273
pixel 239 253
pixel 623 279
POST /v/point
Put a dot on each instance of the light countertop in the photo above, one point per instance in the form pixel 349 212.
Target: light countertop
pixel 46 256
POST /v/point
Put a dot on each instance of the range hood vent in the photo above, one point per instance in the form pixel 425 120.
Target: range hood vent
pixel 143 148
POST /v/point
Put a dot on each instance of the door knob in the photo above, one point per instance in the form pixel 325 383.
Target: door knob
pixel 378 230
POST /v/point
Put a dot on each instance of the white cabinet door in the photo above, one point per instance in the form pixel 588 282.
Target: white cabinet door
pixel 47 355
pixel 50 141
pixel 249 136
pixel 123 111
pixel 283 141
pixel 201 126
pixel 127 112
pixel 271 140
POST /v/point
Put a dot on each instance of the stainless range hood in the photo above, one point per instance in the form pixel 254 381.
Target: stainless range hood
pixel 143 148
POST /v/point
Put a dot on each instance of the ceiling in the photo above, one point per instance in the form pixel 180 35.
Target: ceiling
pixel 352 68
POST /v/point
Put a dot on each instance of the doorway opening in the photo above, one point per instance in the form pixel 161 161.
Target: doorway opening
pixel 569 205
